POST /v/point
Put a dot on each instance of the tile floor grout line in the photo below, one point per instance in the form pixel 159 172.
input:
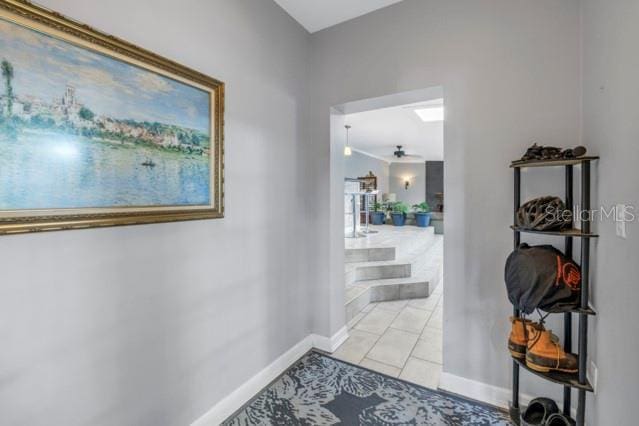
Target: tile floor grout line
pixel 380 336
pixel 409 354
pixel 383 363
pixel 408 331
pixel 426 340
pixel 385 310
pixel 356 322
pixel 421 309
pixel 424 359
pixel 428 362
pixel 418 339
pixel 422 330
pixel 372 346
pixel 411 350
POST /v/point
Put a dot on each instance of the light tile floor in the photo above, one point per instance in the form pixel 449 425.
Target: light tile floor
pixel 401 338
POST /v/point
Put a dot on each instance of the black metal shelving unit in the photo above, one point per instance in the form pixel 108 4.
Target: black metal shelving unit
pixel 579 380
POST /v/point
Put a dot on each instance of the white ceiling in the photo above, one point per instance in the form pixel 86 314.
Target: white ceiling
pixel 315 15
pixel 378 132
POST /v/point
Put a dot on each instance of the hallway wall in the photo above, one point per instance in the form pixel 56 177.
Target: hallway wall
pixel 610 129
pixel 415 173
pixel 510 75
pixel 152 325
pixel 360 164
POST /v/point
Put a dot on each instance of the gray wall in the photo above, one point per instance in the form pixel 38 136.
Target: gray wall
pixel 509 70
pixel 611 129
pixel 151 325
pixel 359 164
pixel 416 174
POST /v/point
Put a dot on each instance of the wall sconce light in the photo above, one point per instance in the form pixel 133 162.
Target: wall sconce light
pixel 406 184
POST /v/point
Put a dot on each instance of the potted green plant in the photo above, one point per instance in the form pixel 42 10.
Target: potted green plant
pixel 398 213
pixel 422 214
pixel 378 214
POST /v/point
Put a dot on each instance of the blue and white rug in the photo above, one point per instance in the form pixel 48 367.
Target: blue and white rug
pixel 319 390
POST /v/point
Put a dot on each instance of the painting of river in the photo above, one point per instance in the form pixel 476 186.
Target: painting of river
pixel 41 171
pixel 82 129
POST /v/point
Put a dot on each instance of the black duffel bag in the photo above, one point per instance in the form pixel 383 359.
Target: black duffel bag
pixel 542 277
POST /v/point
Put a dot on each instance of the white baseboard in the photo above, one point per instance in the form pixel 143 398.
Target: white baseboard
pixel 240 396
pixel 489 394
pixel 330 344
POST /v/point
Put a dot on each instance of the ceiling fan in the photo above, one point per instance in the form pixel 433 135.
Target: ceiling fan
pixel 401 154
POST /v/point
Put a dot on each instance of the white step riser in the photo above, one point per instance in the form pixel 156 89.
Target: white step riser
pixel 385 293
pixel 356 305
pixel 349 277
pixel 437 279
pixel 382 272
pixel 369 254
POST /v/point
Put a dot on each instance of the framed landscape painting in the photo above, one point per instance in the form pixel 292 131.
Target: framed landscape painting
pixel 97 132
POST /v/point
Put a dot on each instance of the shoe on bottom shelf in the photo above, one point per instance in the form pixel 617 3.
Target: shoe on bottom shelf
pixel 560 419
pixel 544 353
pixel 538 412
pixel 517 340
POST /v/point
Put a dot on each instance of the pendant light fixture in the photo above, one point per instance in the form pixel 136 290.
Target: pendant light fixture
pixel 347 149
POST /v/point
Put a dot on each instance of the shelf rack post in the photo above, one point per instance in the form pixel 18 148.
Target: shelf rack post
pixel 514 405
pixel 585 287
pixel 568 253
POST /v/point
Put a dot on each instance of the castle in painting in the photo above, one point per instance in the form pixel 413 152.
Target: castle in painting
pixel 68 115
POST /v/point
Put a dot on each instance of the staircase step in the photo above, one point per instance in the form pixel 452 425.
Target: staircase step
pixel 357 303
pixel 399 290
pixel 381 272
pixel 424 281
pixel 355 255
pixel 384 290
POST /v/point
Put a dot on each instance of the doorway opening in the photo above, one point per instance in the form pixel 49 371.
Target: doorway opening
pixel 393 228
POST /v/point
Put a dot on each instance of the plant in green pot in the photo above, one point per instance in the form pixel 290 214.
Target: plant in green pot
pixel 398 213
pixel 422 214
pixel 378 215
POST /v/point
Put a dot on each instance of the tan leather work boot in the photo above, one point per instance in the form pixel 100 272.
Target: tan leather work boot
pixel 544 353
pixel 518 340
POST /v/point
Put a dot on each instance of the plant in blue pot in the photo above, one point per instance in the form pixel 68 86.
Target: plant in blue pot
pixel 398 213
pixel 378 215
pixel 422 214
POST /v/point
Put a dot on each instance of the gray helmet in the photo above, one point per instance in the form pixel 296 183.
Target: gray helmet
pixel 544 214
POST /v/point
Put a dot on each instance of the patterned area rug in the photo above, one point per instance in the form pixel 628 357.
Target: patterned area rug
pixel 319 390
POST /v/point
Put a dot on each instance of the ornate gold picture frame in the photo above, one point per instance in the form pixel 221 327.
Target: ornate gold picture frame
pixel 95 131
